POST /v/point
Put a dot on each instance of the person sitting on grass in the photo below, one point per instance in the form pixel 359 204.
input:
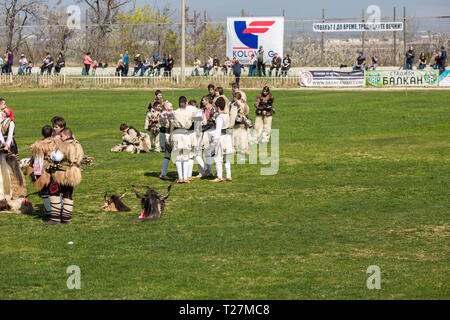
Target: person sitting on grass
pixel 133 141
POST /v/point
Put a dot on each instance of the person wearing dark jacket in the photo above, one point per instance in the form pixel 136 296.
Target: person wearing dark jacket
pixel 286 65
pixel 276 64
pixel 410 55
pixel 236 66
pixel 442 60
pixel 60 63
pixel 169 66
pixel 260 62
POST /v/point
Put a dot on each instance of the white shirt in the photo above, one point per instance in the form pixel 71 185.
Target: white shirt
pixel 56 155
pixel 10 134
pixel 219 125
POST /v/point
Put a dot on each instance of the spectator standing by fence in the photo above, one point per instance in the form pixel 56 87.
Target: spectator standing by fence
pixel 126 63
pixel 48 64
pixel 60 63
pixel 286 65
pixel 260 62
pixel 10 60
pixel 22 64
pixel 252 65
pixel 410 55
pixel 87 63
pixel 237 70
pixel 442 60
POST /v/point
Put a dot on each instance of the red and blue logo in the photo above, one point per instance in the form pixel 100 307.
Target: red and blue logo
pixel 248 35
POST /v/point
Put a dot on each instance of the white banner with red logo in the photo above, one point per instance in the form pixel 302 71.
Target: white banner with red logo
pixel 246 34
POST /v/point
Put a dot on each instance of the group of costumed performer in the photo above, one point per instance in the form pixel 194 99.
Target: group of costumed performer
pixel 215 131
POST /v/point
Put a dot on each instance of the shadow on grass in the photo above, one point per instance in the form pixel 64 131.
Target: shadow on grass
pixel 173 175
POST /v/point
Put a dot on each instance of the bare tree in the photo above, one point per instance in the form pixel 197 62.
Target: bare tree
pixel 52 32
pixel 17 13
pixel 102 14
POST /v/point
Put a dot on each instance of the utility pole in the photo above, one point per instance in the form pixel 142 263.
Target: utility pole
pixel 362 33
pixel 321 40
pixel 183 40
pixel 404 30
pixel 86 32
pixel 204 35
pixel 195 33
pixel 395 41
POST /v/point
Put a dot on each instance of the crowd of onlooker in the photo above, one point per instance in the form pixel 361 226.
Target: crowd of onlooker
pixel 440 61
pixel 256 67
pixel 143 64
pixel 25 65
pixel 157 66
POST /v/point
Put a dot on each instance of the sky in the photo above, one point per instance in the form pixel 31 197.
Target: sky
pixel 218 10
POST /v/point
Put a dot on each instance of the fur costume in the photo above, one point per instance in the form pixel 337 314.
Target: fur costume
pixel 43 149
pixel 67 172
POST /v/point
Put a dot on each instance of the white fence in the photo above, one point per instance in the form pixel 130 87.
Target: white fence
pixel 107 81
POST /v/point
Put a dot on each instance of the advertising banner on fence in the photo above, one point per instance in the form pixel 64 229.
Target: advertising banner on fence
pixel 444 79
pixel 413 78
pixel 357 26
pixel 331 78
pixel 245 35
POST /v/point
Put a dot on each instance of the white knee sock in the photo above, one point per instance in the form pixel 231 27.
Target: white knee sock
pixel 219 170
pixel 185 169
pixel 228 170
pixel 191 167
pixel 201 164
pixel 179 166
pixel 165 165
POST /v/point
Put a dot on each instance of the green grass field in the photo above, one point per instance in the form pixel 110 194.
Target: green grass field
pixel 363 180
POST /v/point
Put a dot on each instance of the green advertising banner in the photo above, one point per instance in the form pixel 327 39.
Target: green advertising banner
pixel 392 78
